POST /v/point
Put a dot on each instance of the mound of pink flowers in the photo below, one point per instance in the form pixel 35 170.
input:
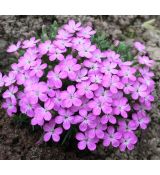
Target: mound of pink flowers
pixel 70 82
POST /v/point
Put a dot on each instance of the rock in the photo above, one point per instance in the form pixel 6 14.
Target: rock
pixel 154 52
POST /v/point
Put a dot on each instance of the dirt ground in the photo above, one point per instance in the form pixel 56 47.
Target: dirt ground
pixel 20 141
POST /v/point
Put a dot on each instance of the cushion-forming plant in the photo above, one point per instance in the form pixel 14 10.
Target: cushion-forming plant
pixel 69 82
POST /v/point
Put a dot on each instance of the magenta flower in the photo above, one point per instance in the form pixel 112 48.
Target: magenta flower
pixel 141 119
pixel 1 80
pixel 96 78
pixel 65 118
pixel 112 137
pixel 145 72
pixel 14 47
pixel 108 118
pixel 70 68
pixel 86 50
pixel 127 127
pixel 38 69
pixel 30 43
pixel 87 89
pixel 93 67
pixel 52 131
pixel 42 113
pixel 109 68
pixel 10 106
pixel 62 45
pixel 10 79
pixel 139 90
pixel 56 53
pixel 112 56
pixel 139 46
pixel 10 93
pixel 112 82
pixel 86 32
pixel 63 34
pixel 72 26
pixel 97 130
pixel 45 47
pixel 54 77
pixel 121 107
pixel 128 140
pixel 104 95
pixel 99 106
pixel 27 61
pixel 146 61
pixel 85 119
pixel 77 41
pixel 71 97
pixel 36 92
pixel 58 100
pixel 26 107
pixel 82 75
pixel 127 73
pixel 85 141
pixel 97 56
pixel 128 87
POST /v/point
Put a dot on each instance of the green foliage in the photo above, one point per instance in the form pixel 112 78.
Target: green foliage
pixel 49 33
pixel 101 41
pixel 104 43
pixel 22 119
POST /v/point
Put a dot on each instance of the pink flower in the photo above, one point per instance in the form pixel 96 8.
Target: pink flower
pixel 10 106
pixel 54 77
pixel 62 44
pixel 65 117
pixel 72 26
pixel 139 46
pixel 112 137
pixel 85 119
pixel 71 97
pixel 58 99
pixel 108 118
pixel 82 75
pixel 10 93
pixel 121 107
pixel 45 47
pixel 112 56
pixel 97 56
pixel 141 119
pixel 56 53
pixel 85 141
pixel 104 95
pixel 30 43
pixel 70 68
pixel 97 130
pixel 27 61
pixel 86 50
pixel 10 79
pixel 38 69
pixel 99 106
pixel 146 61
pixel 37 91
pixel 139 90
pixel 109 68
pixel 43 114
pixel 127 74
pixel 86 88
pixel 26 107
pixel 86 32
pixel 14 47
pixel 52 131
pixel 128 140
pixel 96 78
pixel 93 67
pixel 112 82
pixel 127 126
pixel 63 34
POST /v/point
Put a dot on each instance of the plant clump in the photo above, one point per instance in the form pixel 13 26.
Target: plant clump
pixel 77 79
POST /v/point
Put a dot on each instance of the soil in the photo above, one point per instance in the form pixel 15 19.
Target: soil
pixel 18 140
